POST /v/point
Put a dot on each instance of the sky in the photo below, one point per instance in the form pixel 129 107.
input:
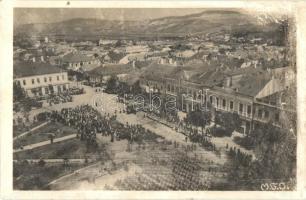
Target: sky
pixel 49 15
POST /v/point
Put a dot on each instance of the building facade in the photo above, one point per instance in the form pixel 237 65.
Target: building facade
pixel 246 100
pixel 77 62
pixel 40 79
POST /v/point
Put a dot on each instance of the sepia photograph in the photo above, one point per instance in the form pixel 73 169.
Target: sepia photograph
pixel 154 99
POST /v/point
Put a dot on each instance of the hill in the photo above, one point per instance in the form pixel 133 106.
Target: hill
pixel 209 21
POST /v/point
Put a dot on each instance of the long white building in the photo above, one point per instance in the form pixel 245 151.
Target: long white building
pixel 39 79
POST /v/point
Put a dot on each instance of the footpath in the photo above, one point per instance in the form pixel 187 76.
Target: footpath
pixel 29 131
pixel 47 142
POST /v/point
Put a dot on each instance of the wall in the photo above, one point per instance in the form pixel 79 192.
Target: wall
pixel 44 82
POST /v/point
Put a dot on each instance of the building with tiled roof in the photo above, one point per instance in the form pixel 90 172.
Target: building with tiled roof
pixel 239 90
pixel 80 62
pixel 39 79
pixel 103 73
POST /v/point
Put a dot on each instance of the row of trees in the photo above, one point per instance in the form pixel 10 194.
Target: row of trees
pixel 228 121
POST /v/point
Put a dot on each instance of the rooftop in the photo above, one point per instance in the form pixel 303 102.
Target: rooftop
pixel 109 70
pixel 76 57
pixel 252 84
pixel 25 69
pixel 157 71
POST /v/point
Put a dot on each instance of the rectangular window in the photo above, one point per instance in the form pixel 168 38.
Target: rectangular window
pixel 249 110
pixel 33 81
pixel 45 79
pixel 38 80
pixel 217 101
pixel 240 107
pixel 224 103
pixel 50 79
pixel 231 105
pixel 260 113
pixel 277 117
pixel 57 78
pixel 24 82
pixel 266 114
pixel 64 87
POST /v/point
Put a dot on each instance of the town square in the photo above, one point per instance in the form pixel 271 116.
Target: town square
pixel 183 101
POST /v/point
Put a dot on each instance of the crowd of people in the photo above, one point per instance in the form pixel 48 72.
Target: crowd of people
pixel 86 120
pixel 240 157
pixel 89 122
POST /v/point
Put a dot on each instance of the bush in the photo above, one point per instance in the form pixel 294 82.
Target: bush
pixel 199 118
pixel 41 163
pixel 229 121
pixel 246 142
pixel 42 116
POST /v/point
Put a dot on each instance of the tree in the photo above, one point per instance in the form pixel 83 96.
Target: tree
pixel 199 118
pixel 41 163
pixel 112 84
pixel 96 55
pixel 229 121
pixel 18 92
pixel 118 43
pixel 275 153
pixel 275 149
pixel 136 89
pixel 51 137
